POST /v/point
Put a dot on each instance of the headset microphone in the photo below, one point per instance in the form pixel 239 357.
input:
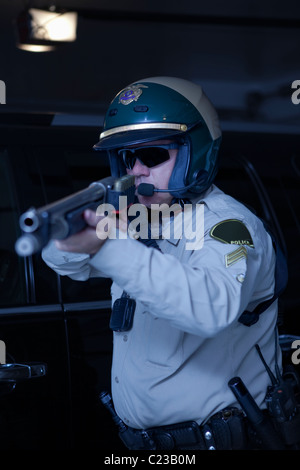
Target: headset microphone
pixel 147 189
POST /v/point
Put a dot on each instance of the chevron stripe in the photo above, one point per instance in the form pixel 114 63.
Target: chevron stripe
pixel 235 256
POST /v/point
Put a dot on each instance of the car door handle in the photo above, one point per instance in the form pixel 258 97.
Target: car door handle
pixel 18 372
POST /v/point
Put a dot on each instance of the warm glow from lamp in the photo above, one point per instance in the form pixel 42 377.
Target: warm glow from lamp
pixel 43 30
pixel 53 26
pixel 35 48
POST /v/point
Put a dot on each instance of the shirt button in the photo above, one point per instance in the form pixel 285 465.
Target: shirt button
pixel 117 380
pixel 240 278
pixel 125 338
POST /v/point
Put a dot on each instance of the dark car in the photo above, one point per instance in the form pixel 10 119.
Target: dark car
pixel 55 331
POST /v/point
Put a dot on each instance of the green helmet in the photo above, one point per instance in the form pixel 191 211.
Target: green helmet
pixel 160 108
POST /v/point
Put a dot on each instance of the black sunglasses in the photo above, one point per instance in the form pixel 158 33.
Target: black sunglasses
pixel 149 156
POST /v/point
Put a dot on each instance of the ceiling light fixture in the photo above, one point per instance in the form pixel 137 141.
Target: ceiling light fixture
pixel 44 30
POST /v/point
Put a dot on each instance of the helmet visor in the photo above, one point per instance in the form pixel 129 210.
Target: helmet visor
pixel 136 134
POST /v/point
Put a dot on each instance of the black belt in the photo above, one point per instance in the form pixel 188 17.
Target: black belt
pixel 223 431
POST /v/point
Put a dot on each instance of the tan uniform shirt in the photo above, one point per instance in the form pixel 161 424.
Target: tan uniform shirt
pixel 186 342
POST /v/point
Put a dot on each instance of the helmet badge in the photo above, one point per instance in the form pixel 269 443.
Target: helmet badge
pixel 131 93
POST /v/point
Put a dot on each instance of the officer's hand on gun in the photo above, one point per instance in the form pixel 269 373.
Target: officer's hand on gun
pixel 91 239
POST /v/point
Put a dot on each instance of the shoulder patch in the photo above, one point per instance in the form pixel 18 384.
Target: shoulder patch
pixel 233 232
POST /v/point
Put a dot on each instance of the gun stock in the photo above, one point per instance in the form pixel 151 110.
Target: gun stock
pixel 60 219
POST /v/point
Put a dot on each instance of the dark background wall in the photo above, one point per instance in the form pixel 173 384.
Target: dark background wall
pixel 246 56
pixel 234 49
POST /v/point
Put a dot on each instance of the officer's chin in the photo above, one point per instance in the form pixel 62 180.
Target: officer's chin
pixel 146 200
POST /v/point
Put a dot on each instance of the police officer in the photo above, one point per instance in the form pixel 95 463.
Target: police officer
pixel 184 339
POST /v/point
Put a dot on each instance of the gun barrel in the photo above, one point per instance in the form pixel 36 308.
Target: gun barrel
pixel 29 221
pixel 93 193
pixel 50 221
pixel 62 218
pixel 27 244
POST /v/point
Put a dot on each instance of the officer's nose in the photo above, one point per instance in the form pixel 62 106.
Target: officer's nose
pixel 139 169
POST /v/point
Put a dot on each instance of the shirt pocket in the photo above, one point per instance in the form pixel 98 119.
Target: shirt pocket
pixel 163 343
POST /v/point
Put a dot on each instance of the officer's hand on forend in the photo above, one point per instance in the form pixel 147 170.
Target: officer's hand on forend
pixel 91 238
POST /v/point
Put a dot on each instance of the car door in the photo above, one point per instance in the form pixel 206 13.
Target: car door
pixel 34 388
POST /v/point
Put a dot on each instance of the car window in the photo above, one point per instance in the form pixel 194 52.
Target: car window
pixel 12 268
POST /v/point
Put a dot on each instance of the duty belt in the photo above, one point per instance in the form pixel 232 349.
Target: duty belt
pixel 224 430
